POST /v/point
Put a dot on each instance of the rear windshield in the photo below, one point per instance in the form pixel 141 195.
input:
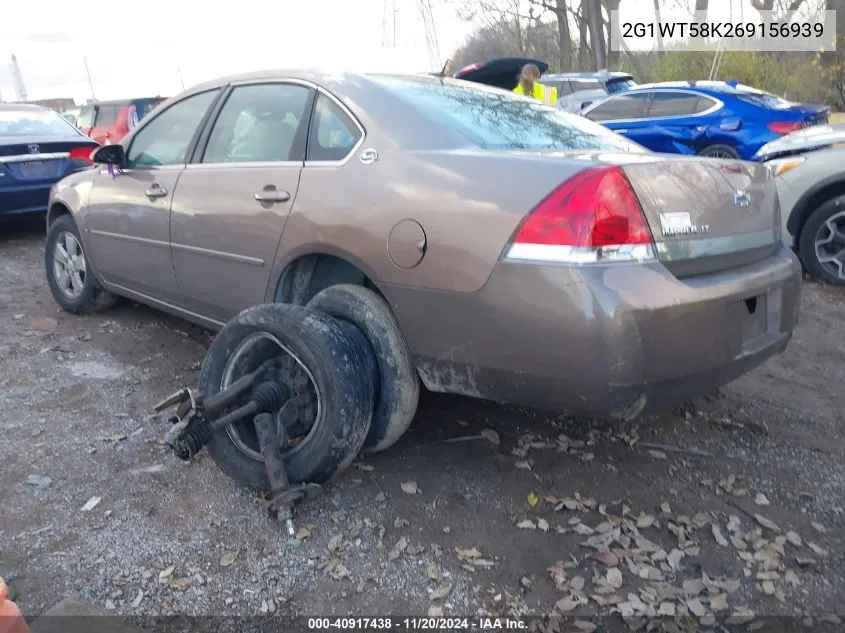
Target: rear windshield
pixel 34 122
pixel 762 99
pixel 494 119
pixel 618 85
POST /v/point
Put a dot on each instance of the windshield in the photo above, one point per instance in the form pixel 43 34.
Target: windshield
pixel 618 85
pixel 33 122
pixel 494 119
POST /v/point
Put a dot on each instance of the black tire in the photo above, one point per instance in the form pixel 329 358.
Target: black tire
pixel 90 297
pixel 719 151
pixel 807 241
pixel 338 374
pixel 398 385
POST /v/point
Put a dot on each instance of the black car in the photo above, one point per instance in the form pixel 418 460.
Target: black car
pixel 37 149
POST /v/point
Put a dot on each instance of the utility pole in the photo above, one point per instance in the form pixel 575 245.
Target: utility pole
pixel 90 83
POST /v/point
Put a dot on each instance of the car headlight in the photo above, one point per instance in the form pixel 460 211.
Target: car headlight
pixel 780 166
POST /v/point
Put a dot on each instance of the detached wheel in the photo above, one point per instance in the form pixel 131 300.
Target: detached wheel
pixel 398 388
pixel 326 369
pixel 821 245
pixel 69 276
pixel 719 151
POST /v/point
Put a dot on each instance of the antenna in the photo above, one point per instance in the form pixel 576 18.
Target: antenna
pixel 20 89
pixel 90 83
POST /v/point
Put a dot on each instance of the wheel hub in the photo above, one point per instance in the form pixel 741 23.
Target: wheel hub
pixel 830 244
pixel 69 265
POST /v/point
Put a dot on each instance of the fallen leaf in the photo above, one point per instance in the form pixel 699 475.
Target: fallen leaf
pixel 717 534
pixel 229 557
pixel 794 538
pixel 469 554
pixel 532 499
pixel 657 454
pixel 410 487
pixel 523 465
pixel 138 599
pixel 761 499
pixel 491 436
pixel 166 572
pixel 567 604
pixel 526 524
pixel 334 543
pixel 91 504
pixel 645 521
pixel 543 525
pixel 614 578
pixel 302 534
pixel 434 611
pixel 766 523
pixel 719 602
pixel 117 437
pixel 577 583
pixel 431 572
pixel 440 592
pixel 818 527
pixel 608 558
pixel 180 584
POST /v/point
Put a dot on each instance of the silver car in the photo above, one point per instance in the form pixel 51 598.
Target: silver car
pixel 809 166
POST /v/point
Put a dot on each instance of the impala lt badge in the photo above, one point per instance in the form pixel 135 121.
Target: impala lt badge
pixel 679 223
pixel 742 198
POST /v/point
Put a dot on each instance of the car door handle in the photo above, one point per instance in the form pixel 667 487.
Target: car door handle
pixel 621 131
pixel 156 191
pixel 272 196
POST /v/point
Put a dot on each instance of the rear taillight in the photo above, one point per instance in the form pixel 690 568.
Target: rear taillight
pixel 466 69
pixel 785 127
pixel 82 153
pixel 593 217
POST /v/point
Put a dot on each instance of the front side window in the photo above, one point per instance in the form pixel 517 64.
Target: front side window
pixel 258 123
pixel 34 122
pixel 494 119
pixel 333 133
pixel 166 138
pixel 622 107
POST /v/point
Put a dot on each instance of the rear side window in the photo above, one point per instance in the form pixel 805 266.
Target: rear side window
pixel 333 134
pixel 620 108
pixel 494 119
pixel 672 104
pixel 85 118
pixel 618 85
pixel 106 114
pixel 580 84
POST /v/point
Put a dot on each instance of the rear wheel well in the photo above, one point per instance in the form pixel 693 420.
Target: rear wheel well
pixel 306 276
pixel 806 207
pixel 56 211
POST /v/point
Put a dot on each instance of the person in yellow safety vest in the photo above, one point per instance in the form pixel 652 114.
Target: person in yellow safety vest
pixel 529 84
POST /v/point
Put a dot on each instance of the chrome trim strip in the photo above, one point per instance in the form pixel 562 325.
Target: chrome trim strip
pixel 143 298
pixel 561 254
pixel 129 238
pixel 717 103
pixel 244 259
pixel 20 158
pixel 245 165
pixel 697 248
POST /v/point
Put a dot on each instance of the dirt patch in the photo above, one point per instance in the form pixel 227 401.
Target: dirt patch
pixel 733 503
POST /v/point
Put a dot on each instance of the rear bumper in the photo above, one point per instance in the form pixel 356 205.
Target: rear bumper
pixel 24 199
pixel 615 341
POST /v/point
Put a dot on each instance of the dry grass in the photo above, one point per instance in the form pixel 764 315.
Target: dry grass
pixel 837 117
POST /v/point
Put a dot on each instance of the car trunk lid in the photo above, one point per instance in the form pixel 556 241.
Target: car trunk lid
pixel 33 159
pixel 707 215
pixel 500 73
pixel 806 140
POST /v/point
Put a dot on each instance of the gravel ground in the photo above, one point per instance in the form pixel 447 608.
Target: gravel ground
pixel 732 505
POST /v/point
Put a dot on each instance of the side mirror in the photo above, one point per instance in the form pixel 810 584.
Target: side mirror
pixel 110 155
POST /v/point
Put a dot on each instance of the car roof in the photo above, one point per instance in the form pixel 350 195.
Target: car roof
pixel 598 75
pixel 124 101
pixel 706 86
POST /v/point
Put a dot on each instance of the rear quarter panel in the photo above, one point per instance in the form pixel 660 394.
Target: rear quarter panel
pixel 469 204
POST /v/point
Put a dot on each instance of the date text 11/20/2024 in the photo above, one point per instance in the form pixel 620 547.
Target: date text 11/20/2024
pixel 416 624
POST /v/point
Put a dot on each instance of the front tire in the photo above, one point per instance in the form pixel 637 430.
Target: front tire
pixel 323 366
pixel 69 273
pixel 719 151
pixel 821 245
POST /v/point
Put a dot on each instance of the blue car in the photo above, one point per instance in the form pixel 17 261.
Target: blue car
pixel 709 118
pixel 37 149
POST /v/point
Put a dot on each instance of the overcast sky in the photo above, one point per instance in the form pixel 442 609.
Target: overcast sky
pixel 140 52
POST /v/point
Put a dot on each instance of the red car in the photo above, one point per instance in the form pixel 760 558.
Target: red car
pixel 109 121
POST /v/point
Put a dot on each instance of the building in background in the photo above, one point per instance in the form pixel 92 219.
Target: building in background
pixel 59 104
